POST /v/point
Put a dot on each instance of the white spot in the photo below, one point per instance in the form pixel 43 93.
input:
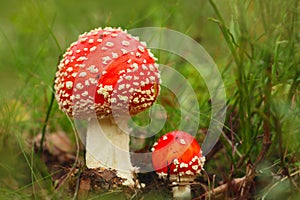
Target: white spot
pixel 201 160
pixel 104 48
pixel 92 48
pixel 136 83
pixel 121 72
pixel 67 61
pixel 69 53
pixel 81 58
pixel 194 158
pixel 74 74
pixel 91 41
pixel 104 72
pixel 103 91
pixel 182 165
pixel 82 74
pixel 105 59
pixel 151 67
pixel 182 141
pixel 109 87
pixel 123 98
pixel 138 54
pixel 136 38
pixel 93 69
pixel 106 32
pixel 93 81
pixel 195 167
pixel 83 39
pixel 152 149
pixel 165 137
pixel 69 84
pixel 124 51
pixel 128 78
pixel 141 48
pixel 189 172
pixel 109 44
pixel 152 78
pixel 121 87
pixel 175 161
pixel 125 43
pixel 81 65
pixel 144 67
pixel 79 86
pixel 135 67
pixel 69 69
pixel 78 51
pixel 136 101
pixel 86 82
pixel 114 55
pixel 84 94
pixel 113 100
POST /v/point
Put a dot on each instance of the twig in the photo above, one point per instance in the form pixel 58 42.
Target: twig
pixel 222 188
pixel 241 183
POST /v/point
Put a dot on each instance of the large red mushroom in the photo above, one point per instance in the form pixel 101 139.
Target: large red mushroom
pixel 106 76
pixel 178 156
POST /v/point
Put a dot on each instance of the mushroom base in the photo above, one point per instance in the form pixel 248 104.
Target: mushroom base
pixel 107 146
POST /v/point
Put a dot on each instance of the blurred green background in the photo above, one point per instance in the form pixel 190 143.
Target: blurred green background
pixel 254 43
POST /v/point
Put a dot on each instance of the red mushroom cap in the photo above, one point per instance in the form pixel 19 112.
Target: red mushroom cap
pixel 177 153
pixel 104 68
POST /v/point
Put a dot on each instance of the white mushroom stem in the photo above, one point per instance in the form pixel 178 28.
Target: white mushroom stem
pixel 181 187
pixel 108 146
pixel 181 192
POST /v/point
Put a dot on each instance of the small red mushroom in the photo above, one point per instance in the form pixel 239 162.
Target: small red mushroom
pixel 107 73
pixel 178 155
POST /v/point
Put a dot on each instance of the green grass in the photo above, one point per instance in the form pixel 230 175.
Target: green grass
pixel 256 45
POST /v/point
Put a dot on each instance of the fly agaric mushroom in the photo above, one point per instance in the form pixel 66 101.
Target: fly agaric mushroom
pixel 104 75
pixel 178 155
